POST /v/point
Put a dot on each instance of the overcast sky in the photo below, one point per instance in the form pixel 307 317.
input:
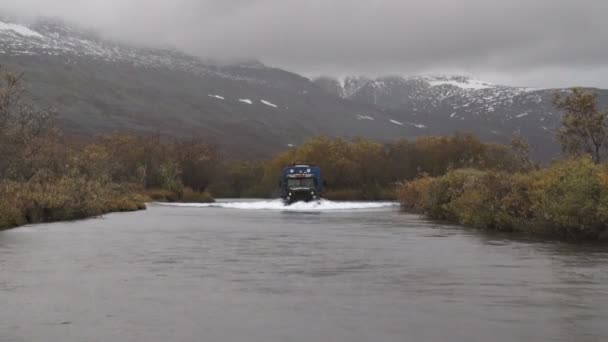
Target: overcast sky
pixel 518 42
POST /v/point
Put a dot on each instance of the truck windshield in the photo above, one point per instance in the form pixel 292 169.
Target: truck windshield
pixel 301 183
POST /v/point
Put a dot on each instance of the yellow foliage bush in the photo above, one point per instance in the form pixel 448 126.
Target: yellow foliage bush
pixel 62 200
pixel 567 199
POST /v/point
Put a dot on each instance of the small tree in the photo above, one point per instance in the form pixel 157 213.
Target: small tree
pixel 583 126
pixel 26 132
pixel 521 150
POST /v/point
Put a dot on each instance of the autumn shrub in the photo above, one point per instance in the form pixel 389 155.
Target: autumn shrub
pixel 191 196
pixel 415 195
pixel 160 195
pixel 10 213
pixel 568 199
pixel 63 199
pixel 481 203
pixel 444 191
pixel 184 195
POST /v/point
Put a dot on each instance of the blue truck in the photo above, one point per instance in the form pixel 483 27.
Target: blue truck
pixel 301 183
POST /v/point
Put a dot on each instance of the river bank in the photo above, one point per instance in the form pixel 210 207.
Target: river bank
pixel 64 200
pixel 568 199
pixel 70 199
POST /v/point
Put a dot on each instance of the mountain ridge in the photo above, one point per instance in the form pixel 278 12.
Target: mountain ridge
pixel 100 86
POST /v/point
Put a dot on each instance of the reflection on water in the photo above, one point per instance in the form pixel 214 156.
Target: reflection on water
pixel 252 271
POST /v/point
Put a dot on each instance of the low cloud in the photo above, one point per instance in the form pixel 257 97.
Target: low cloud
pixel 537 43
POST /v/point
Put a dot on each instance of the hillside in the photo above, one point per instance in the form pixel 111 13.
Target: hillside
pixel 97 85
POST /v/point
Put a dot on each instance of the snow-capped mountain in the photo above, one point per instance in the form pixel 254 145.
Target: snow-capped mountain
pixel 458 103
pixel 98 85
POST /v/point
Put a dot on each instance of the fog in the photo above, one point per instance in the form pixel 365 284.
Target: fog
pixel 532 43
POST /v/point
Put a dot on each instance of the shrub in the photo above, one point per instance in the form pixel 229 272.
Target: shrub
pixel 415 196
pixel 161 195
pixel 10 215
pixel 447 189
pixel 482 201
pixel 190 196
pixel 65 199
pixel 568 199
pixel 185 195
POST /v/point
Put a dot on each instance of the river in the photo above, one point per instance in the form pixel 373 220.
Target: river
pixel 252 271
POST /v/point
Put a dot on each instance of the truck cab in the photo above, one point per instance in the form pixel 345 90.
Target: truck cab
pixel 301 183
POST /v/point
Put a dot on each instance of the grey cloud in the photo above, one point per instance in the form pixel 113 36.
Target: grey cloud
pixel 513 41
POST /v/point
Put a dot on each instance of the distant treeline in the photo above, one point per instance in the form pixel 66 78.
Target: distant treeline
pixel 362 169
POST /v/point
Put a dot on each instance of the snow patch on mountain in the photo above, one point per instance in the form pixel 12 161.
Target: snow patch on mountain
pixel 19 29
pixel 269 104
pixel 463 83
pixel 421 126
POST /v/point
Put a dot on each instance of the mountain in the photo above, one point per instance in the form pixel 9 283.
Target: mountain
pixel 455 103
pixel 444 104
pixel 98 85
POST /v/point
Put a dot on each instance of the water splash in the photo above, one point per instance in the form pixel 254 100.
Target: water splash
pixel 323 205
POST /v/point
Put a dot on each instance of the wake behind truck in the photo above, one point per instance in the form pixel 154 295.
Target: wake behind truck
pixel 301 183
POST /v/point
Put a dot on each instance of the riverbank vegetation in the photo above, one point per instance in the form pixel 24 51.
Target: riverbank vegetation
pixel 569 198
pixel 45 176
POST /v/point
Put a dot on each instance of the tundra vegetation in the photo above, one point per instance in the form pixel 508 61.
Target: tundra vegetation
pixel 47 176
